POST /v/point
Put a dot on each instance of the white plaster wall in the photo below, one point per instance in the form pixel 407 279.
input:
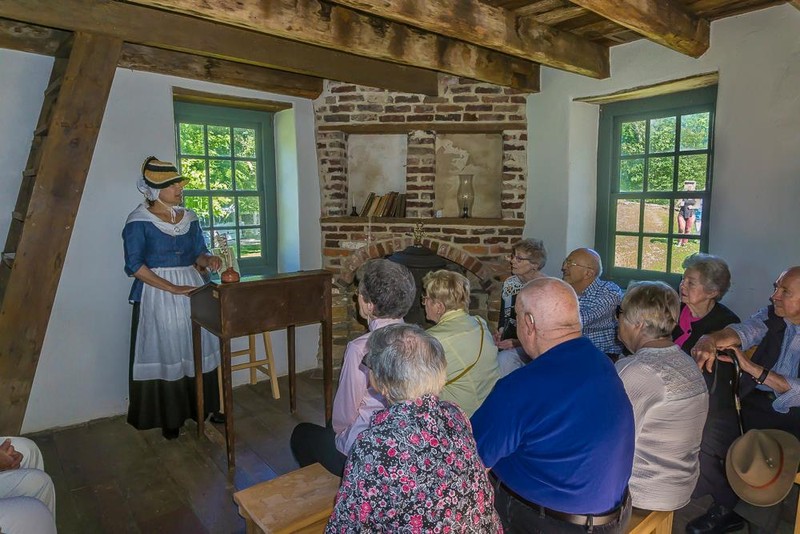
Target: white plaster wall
pixel 83 369
pixel 756 199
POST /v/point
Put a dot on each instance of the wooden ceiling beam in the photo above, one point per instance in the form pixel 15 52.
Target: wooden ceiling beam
pixel 331 26
pixel 665 22
pixel 495 28
pixel 795 3
pixel 146 58
pixel 160 29
pixel 45 41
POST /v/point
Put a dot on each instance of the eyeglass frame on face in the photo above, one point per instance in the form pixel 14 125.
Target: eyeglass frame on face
pixel 570 263
pixel 513 256
pixel 618 312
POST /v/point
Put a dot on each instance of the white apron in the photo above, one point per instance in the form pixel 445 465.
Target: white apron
pixel 164 336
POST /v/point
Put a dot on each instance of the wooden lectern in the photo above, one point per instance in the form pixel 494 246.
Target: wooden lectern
pixel 259 304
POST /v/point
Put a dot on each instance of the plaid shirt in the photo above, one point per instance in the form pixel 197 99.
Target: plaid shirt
pixel 598 304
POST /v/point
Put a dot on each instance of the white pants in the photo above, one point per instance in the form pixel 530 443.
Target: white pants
pixel 509 360
pixel 25 515
pixel 29 480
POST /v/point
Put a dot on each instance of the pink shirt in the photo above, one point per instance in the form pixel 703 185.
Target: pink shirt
pixel 685 322
pixel 355 400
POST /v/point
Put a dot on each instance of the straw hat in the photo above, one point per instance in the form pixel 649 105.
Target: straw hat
pixel 761 466
pixel 160 174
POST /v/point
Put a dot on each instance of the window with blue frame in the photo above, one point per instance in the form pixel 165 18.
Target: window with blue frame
pixel 228 155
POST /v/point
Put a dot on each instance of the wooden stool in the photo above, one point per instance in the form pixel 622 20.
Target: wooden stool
pixel 266 366
pixel 647 522
pixel 297 502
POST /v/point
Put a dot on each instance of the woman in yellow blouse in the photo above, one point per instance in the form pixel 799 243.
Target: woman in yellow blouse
pixel 468 345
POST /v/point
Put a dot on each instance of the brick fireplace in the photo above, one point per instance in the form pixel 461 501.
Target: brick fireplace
pixel 478 245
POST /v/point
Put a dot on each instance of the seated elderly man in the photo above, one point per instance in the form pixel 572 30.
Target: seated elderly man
pixel 386 292
pixel 669 398
pixel 468 346
pixel 558 433
pixel 769 389
pixel 598 299
pixel 27 495
pixel 415 469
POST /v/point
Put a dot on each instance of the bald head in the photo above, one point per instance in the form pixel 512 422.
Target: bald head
pixel 547 315
pixel 581 268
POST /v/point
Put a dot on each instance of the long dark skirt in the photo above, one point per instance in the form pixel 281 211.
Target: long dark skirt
pixel 162 403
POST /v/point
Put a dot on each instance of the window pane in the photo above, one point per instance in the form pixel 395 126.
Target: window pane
pixel 249 210
pixel 662 134
pixel 226 238
pixel 191 138
pixel 631 175
pixel 694 131
pixel 693 168
pixel 659 173
pixel 246 176
pixel 654 254
pixel 681 251
pixel 656 216
pixel 632 138
pixel 628 215
pixel 244 142
pixel 223 208
pixel 626 251
pixel 200 206
pixel 698 216
pixel 195 170
pixel 219 175
pixel 250 243
pixel 219 141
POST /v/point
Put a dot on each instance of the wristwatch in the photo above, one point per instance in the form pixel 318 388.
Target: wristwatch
pixel 762 377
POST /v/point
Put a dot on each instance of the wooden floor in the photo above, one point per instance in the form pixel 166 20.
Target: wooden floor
pixel 111 478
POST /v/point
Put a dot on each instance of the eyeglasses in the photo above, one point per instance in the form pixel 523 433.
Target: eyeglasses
pixel 365 362
pixel 514 257
pixel 570 263
pixel 425 299
pixel 619 312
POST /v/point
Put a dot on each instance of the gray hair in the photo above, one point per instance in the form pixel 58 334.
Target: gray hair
pixel 534 248
pixel 406 362
pixel 713 270
pixel 654 305
pixel 389 286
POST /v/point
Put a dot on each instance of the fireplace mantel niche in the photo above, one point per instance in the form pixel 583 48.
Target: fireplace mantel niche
pixel 480 246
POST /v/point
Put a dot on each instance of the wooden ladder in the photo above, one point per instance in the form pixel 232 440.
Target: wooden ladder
pixel 47 204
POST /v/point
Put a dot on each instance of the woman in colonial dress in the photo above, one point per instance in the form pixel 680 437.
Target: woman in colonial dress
pixel 164 247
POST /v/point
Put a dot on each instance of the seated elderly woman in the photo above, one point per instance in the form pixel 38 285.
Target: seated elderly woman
pixel 528 257
pixel 386 292
pixel 669 399
pixel 468 346
pixel 416 468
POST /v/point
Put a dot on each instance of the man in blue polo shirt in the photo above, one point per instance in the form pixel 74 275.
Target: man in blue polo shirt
pixel 558 433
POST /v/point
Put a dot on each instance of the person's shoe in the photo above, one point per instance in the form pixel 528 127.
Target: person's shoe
pixel 217 418
pixel 170 433
pixel 717 520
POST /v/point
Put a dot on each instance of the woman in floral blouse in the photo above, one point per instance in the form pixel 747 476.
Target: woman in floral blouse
pixel 416 468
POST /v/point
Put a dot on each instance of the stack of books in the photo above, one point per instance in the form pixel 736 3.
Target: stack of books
pixel 389 205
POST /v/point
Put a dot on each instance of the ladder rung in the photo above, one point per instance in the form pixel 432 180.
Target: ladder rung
pixel 18 216
pixel 41 130
pixel 8 258
pixel 29 173
pixel 54 86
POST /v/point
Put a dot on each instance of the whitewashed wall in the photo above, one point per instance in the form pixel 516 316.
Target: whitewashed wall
pixel 756 202
pixel 82 373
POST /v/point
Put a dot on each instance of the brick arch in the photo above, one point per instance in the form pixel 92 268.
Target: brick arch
pixel 485 274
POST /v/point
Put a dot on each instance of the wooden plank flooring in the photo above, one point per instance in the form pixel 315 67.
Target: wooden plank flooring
pixel 111 478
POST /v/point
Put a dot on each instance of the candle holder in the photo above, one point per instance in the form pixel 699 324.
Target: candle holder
pixel 465 195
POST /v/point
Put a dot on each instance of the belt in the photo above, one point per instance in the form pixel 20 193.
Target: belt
pixel 588 520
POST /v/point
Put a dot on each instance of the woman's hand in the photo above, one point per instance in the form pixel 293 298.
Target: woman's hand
pixel 704 352
pixel 507 344
pixel 9 458
pixel 181 290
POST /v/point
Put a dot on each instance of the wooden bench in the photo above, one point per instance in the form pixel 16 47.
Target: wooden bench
pixel 297 502
pixel 647 522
